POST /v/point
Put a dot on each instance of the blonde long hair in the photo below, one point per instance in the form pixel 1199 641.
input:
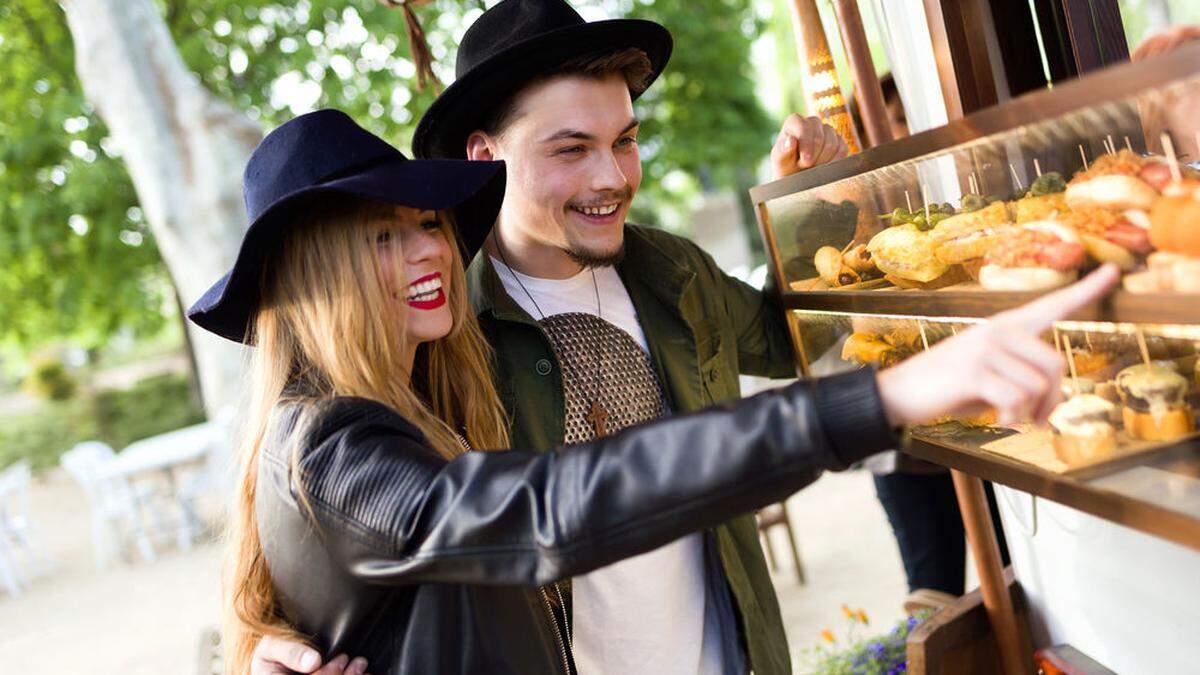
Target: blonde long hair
pixel 326 322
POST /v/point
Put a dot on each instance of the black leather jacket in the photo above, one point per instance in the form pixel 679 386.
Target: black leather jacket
pixel 427 566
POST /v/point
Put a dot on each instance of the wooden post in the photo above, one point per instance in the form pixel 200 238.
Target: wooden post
pixel 872 109
pixel 996 599
pixel 822 91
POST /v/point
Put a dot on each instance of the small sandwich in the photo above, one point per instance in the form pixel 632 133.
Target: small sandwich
pixel 1033 257
pixel 1154 406
pixel 1083 431
pixel 906 253
pixel 969 235
pixel 1175 267
pixel 1111 236
pixel 866 349
pixel 1113 182
pixel 883 351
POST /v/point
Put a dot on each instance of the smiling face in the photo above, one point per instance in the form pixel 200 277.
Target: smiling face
pixel 416 245
pixel 573 169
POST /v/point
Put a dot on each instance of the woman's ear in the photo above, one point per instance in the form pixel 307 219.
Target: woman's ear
pixel 479 147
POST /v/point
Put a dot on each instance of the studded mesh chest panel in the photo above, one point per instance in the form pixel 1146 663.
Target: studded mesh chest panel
pixel 601 361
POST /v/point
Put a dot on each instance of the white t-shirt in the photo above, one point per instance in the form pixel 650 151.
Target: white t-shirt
pixel 649 613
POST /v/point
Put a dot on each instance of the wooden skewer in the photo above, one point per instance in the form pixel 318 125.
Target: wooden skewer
pixel 971 182
pixel 1057 339
pixel 925 198
pixel 1112 147
pixel 924 339
pixel 1128 145
pixel 1172 159
pixel 1071 366
pixel 1016 179
pixel 908 200
pixel 1083 156
pixel 1087 337
pixel 1037 167
pixel 1141 340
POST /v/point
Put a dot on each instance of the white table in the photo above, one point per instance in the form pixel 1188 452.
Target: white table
pixel 166 455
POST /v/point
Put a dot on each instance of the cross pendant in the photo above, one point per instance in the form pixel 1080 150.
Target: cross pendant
pixel 598 417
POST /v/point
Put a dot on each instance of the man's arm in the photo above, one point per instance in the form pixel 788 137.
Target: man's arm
pixel 764 343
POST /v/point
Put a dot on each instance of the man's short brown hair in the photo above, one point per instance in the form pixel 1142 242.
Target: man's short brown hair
pixel 632 64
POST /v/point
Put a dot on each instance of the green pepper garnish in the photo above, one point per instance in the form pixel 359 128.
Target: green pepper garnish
pixel 972 203
pixel 1048 184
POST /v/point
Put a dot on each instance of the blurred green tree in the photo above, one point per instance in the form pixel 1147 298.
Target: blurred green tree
pixel 76 260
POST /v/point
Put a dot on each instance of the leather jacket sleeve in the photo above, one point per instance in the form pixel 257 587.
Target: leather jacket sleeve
pixel 392 511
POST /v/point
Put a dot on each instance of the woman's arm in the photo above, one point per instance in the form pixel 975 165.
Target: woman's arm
pixel 394 512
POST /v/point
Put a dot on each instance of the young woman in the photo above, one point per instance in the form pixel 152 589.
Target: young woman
pixel 365 521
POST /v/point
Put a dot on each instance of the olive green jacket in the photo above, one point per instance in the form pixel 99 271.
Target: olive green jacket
pixel 703 328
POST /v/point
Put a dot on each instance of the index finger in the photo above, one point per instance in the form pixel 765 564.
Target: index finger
pixel 1039 315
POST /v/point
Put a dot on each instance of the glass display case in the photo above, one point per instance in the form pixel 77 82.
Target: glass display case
pixel 882 254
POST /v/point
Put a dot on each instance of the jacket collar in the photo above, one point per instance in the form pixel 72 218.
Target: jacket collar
pixel 650 266
pixel 645 264
pixel 487 292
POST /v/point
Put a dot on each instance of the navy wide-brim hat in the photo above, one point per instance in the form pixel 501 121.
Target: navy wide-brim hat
pixel 324 153
pixel 513 44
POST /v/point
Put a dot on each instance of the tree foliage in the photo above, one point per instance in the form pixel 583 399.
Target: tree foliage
pixel 78 262
pixel 75 258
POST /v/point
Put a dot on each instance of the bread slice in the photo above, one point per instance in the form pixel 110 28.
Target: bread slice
pixel 1117 192
pixel 1077 451
pixel 1167 426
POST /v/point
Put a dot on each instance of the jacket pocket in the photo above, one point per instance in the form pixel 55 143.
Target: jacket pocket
pixel 717 379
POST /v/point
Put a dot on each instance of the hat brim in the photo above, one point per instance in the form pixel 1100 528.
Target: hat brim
pixel 473 191
pixel 464 105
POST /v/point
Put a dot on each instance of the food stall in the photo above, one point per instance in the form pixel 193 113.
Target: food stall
pixel 881 254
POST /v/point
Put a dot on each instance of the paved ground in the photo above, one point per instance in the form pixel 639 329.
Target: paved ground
pixel 148 617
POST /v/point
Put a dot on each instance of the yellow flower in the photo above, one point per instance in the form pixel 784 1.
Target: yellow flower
pixel 828 635
pixel 847 611
pixel 862 616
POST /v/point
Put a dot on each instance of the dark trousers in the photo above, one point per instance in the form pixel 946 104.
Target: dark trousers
pixel 924 515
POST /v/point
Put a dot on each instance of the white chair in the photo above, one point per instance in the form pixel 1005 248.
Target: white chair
pixel 10 574
pixel 215 478
pixel 17 529
pixel 113 501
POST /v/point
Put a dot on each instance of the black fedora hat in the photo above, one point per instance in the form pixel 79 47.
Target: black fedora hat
pixel 326 153
pixel 512 44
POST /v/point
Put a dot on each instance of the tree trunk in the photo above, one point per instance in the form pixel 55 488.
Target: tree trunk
pixel 184 150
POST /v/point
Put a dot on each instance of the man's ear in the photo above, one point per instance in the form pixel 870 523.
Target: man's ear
pixel 480 147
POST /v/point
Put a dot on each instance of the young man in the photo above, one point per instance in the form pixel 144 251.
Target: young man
pixel 599 325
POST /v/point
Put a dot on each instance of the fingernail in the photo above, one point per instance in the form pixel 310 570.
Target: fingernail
pixel 340 661
pixel 788 143
pixel 806 158
pixel 358 666
pixel 309 659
